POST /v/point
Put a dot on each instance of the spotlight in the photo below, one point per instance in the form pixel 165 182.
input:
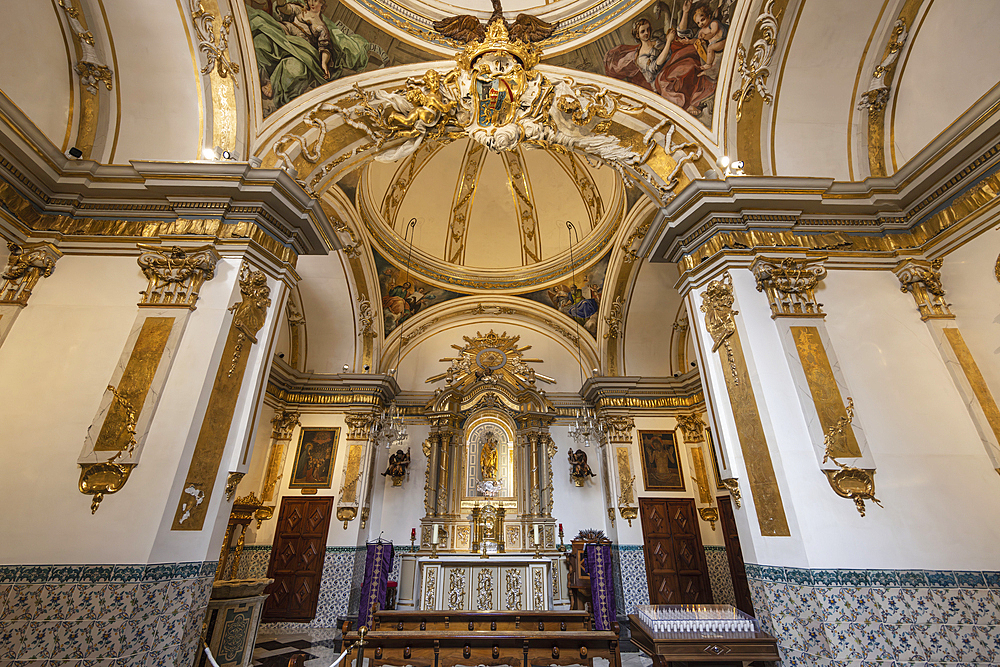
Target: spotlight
pixel 281 355
pixel 75 153
pixel 367 368
pixel 677 374
pixel 226 155
pixel 208 153
pixel 693 364
pixel 345 367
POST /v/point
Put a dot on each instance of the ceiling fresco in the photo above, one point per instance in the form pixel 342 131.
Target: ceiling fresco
pixel 673 48
pixel 579 299
pixel 403 294
pixel 300 45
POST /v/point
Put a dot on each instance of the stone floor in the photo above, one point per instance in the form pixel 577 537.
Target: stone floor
pixel 273 649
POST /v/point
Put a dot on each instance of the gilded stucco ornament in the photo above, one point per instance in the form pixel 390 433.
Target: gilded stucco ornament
pixel 849 482
pixel 496 98
pixel 922 279
pixel 26 264
pixel 692 426
pixel 754 70
pixel 710 514
pixel 875 98
pixel 717 304
pixel 175 274
pixel 90 65
pixel 250 313
pixel 733 485
pixel 215 47
pixel 790 285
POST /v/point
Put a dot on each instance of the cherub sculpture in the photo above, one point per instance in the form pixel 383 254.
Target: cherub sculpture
pixel 398 464
pixel 578 468
pixel 427 105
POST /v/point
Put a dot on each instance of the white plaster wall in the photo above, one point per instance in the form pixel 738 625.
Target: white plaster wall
pixel 398 509
pixel 57 361
pixel 813 102
pixel 576 507
pixel 328 307
pixel 934 87
pixel 930 461
pixel 974 295
pixel 157 80
pixel 32 36
pixel 423 360
pixel 652 309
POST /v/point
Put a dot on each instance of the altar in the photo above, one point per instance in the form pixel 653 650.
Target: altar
pixel 502 582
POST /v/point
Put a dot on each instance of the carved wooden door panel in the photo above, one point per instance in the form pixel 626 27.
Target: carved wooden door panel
pixel 297 559
pixel 736 566
pixel 676 570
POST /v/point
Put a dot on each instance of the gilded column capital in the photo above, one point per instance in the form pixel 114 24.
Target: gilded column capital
pixel 358 425
pixel 283 423
pixel 922 279
pixel 692 426
pixel 26 264
pixel 790 285
pixel 175 274
pixel 619 428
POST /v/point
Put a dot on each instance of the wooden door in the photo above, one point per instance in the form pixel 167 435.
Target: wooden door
pixel 297 559
pixel 676 570
pixel 736 568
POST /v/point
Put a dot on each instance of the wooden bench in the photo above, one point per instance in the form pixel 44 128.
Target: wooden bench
pixel 515 638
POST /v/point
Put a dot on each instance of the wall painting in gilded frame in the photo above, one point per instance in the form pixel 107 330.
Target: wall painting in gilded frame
pixel 661 465
pixel 317 450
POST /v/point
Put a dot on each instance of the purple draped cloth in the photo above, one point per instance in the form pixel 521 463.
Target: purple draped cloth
pixel 378 563
pixel 602 585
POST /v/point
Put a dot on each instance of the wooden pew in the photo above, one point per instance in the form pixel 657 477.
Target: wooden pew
pixel 492 638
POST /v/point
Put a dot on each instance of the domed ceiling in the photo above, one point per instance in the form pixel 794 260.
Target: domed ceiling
pixel 491 221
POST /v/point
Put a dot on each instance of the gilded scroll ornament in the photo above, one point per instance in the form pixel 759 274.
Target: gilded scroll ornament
pixel 215 47
pixel 717 304
pixel 875 98
pixel 232 481
pixel 537 588
pixel 922 279
pixel 26 264
pixel 513 580
pixel 175 274
pixel 366 317
pixel 456 588
pixel 692 426
pixel 848 482
pixel 359 425
pixel 754 70
pixel 283 423
pixel 790 285
pixel 615 317
pixel 90 65
pixel 99 479
pixel 733 485
pixel 484 589
pixel 250 313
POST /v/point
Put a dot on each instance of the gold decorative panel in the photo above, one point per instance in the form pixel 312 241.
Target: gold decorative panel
pixel 349 491
pixel 248 317
pixel 753 443
pixel 975 378
pixel 701 475
pixel 118 430
pixel 823 387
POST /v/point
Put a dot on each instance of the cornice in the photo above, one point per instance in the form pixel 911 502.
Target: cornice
pixel 632 394
pixel 951 178
pixel 367 391
pixel 46 192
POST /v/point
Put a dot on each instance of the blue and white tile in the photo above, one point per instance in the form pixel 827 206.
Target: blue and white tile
pixel 936 641
pixel 983 605
pixel 902 642
pixel 951 606
pixel 970 645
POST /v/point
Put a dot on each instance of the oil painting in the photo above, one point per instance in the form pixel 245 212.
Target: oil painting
pixel 661 466
pixel 673 48
pixel 404 296
pixel 313 468
pixel 580 300
pixel 302 44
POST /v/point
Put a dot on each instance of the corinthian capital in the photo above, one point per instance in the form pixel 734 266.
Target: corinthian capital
pixel 26 264
pixel 175 274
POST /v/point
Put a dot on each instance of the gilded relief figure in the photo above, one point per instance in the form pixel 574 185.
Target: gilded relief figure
pixel 429 106
pixel 488 459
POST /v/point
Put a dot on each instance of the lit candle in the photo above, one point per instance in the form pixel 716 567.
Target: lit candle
pixel 413 534
pixel 560 528
pixel 536 534
pixel 434 538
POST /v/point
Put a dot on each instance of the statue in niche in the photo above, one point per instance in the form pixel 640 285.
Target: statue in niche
pixel 398 464
pixel 578 468
pixel 488 458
